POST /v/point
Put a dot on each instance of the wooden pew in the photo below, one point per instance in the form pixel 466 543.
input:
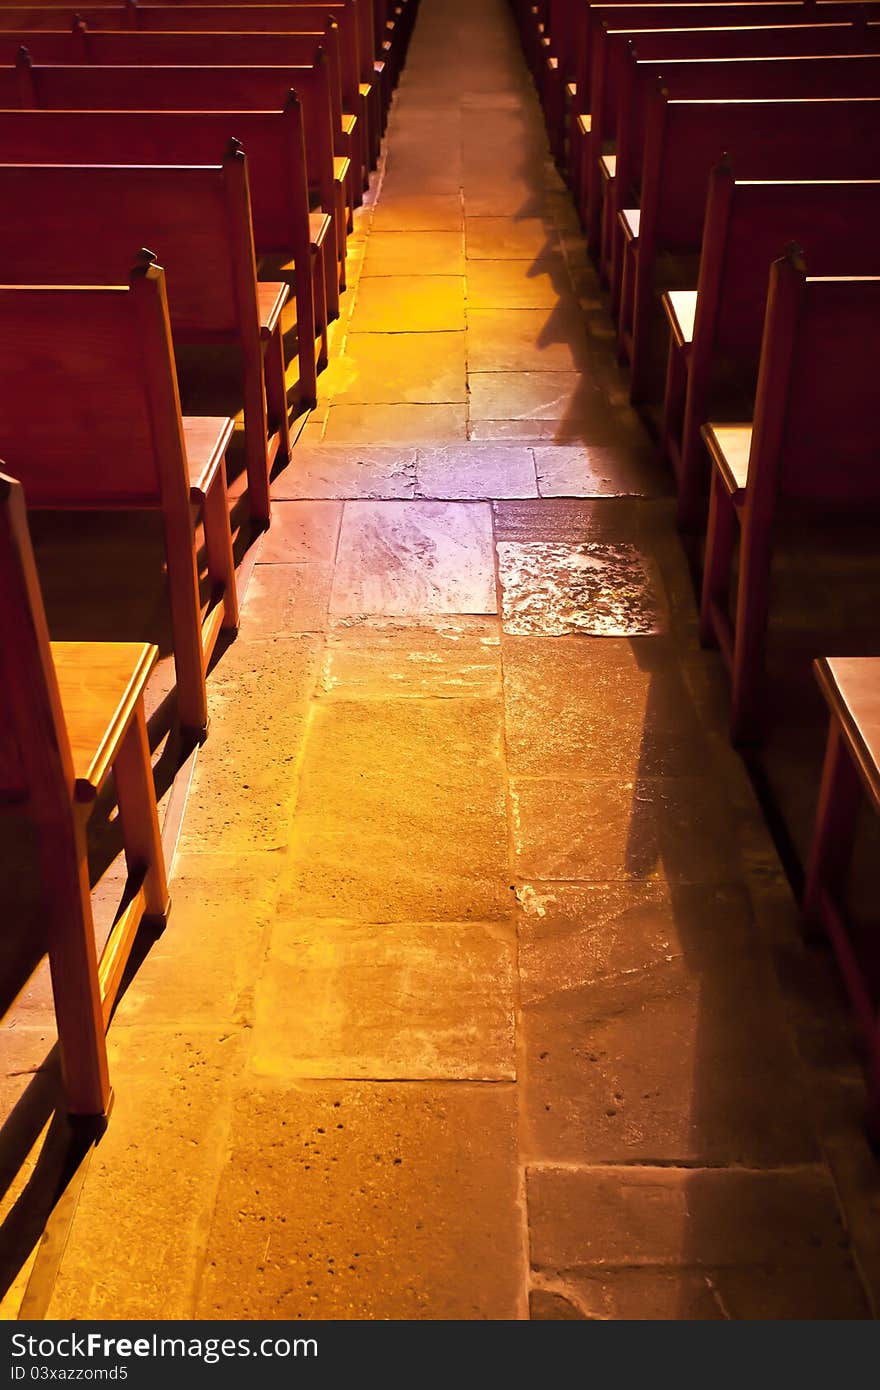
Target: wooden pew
pixel 285 19
pixel 598 17
pixel 319 93
pixel 200 48
pixel 798 139
pixel 288 240
pixel 90 419
pixel 73 712
pixel 698 63
pixel 850 779
pixel 811 447
pixel 715 331
pixel 78 225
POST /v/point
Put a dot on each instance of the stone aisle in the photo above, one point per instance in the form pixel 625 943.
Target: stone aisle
pixel 469 1003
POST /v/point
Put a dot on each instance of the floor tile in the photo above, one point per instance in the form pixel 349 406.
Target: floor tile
pixel 418 213
pixel 396 368
pixel 386 1002
pixel 541 395
pixel 606 970
pixel 525 340
pixel 501 238
pixel 409 304
pixel 413 558
pixel 599 590
pixel 348 471
pixel 582 707
pixel 514 285
pixel 414 253
pixel 761 1244
pixel 444 655
pixel 395 424
pixel 391 1244
pixel 423 782
pixel 475 471
pixel 674 829
pixel 301 532
pixel 285 599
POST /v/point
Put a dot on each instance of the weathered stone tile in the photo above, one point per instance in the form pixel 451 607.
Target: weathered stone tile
pixel 301 532
pixel 606 971
pixel 502 238
pixel 444 656
pixel 673 829
pixel 423 783
pixel 395 424
pixel 415 557
pixel 527 395
pixel 413 178
pixel 581 707
pixel 348 471
pixel 764 1241
pixel 148 1199
pixel 386 1001
pixel 522 340
pixel 414 253
pixel 514 285
pixel 579 471
pixel 390 1243
pixel 285 599
pixel 475 471
pixel 417 213
pixel 409 304
pixel 202 969
pixel 551 588
pixel 401 368
pixel 245 777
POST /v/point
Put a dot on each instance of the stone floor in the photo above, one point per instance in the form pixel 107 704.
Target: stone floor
pixel 482 995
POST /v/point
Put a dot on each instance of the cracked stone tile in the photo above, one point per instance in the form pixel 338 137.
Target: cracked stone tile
pixel 602 590
pixel 346 471
pixel 528 395
pixel 671 1242
pixel 390 1243
pixel 606 970
pixel 444 656
pixel 386 1001
pixel 600 471
pixel 475 471
pixel 415 557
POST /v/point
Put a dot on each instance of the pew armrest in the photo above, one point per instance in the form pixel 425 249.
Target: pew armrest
pixel 206 438
pixel 585 123
pixel 729 447
pixel 629 221
pixel 851 687
pixel 681 308
pixel 271 299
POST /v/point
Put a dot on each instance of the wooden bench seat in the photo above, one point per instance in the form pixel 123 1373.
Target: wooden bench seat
pixel 850 777
pixel 90 419
pixel 74 712
pixel 715 331
pixel 76 225
pixel 784 139
pixel 811 448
